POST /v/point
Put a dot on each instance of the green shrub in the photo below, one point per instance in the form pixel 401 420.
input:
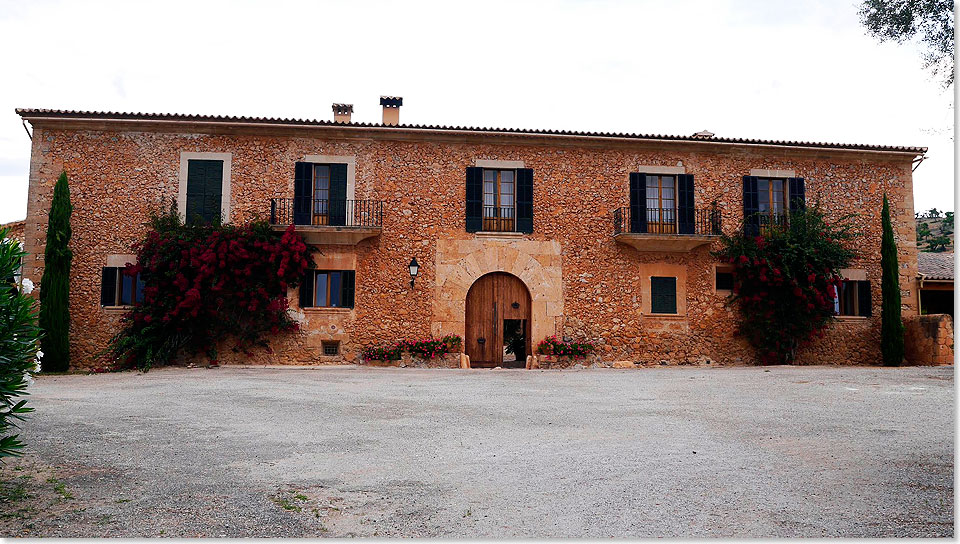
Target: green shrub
pixel 552 345
pixel 55 283
pixel 18 347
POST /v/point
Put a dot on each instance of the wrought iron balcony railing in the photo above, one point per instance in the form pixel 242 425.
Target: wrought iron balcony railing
pixel 692 222
pixel 334 213
pixel 499 219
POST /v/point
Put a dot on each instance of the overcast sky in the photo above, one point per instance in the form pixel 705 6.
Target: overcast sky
pixel 797 70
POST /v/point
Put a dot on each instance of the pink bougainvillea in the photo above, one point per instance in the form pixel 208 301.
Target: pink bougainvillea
pixel 203 284
pixel 786 280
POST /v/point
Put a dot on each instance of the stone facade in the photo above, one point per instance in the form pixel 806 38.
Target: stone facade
pixel 14 229
pixel 928 339
pixel 583 284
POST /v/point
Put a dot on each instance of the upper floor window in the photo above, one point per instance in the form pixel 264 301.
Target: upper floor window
pixel 767 201
pixel 661 204
pixel 204 191
pixel 117 288
pixel 320 194
pixel 499 200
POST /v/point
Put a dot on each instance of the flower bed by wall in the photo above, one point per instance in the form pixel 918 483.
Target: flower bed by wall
pixel 443 352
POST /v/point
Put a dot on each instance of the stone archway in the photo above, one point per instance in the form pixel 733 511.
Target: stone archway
pixel 459 263
pixel 497 317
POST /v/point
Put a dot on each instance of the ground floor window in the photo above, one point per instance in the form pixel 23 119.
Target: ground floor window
pixel 663 295
pixel 723 280
pixel 331 348
pixel 118 288
pixel 853 299
pixel 328 289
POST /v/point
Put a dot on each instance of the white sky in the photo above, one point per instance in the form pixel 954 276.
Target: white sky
pixel 791 69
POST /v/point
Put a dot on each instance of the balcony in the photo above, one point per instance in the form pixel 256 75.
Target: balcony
pixel 666 229
pixel 337 222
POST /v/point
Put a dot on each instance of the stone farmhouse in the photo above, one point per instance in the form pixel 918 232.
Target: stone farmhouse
pixel 518 234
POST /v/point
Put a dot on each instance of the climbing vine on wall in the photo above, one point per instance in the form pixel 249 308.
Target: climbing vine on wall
pixel 786 280
pixel 205 283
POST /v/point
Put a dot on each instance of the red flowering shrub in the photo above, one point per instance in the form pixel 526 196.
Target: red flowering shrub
pixel 785 281
pixel 206 283
pixel 552 345
pixel 429 348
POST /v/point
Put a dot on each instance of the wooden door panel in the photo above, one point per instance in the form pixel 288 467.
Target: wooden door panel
pixel 489 302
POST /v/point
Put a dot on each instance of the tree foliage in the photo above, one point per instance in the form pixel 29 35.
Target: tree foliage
pixel 902 20
pixel 786 279
pixel 891 332
pixel 18 347
pixel 205 283
pixel 55 282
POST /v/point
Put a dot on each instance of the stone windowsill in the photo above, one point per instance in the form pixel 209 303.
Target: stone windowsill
pixel 498 234
pixel 851 318
pixel 665 317
pixel 117 309
pixel 326 310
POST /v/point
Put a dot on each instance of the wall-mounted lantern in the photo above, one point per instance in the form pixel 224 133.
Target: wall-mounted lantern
pixel 414 270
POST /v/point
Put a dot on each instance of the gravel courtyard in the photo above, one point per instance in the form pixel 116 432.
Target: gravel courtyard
pixel 776 452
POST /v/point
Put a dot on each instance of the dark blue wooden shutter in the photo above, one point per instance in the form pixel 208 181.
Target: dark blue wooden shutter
pixel 751 206
pixel 338 194
pixel 108 286
pixel 348 287
pixel 686 215
pixel 525 200
pixel 302 192
pixel 638 202
pixel 663 295
pixel 866 301
pixel 797 194
pixel 474 204
pixel 306 289
pixel 204 191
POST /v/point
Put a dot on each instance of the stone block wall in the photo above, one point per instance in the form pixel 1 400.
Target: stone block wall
pixel 583 283
pixel 928 339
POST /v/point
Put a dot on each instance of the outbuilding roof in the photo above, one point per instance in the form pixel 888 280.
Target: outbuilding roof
pixel 935 266
pixel 39 113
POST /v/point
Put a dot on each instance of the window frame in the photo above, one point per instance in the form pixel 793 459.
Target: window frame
pixel 840 301
pixel 771 218
pixel 498 223
pixel 328 290
pixel 136 288
pixel 662 224
pixel 722 269
pixel 319 213
pixel 654 295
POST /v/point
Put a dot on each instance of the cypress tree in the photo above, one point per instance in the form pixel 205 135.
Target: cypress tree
pixel 891 333
pixel 55 283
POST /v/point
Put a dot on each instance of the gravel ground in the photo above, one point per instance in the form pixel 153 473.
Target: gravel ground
pixel 691 452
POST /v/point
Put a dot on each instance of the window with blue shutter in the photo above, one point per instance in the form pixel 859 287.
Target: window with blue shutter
pixel 204 191
pixel 663 295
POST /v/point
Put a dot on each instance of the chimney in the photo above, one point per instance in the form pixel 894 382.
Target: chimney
pixel 391 109
pixel 342 112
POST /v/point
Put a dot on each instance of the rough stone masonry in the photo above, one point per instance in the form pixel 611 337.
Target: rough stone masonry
pixel 583 283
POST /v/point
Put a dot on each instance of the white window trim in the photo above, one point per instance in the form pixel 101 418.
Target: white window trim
pixel 661 170
pixel 490 163
pixel 349 160
pixel 761 173
pixel 185 157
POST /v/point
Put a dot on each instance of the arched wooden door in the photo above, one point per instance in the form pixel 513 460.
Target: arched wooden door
pixel 497 308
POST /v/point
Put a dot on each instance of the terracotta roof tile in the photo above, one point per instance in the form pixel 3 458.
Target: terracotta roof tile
pixel 34 113
pixel 936 266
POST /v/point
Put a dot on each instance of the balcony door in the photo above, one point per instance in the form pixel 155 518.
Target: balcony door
pixel 661 204
pixel 499 200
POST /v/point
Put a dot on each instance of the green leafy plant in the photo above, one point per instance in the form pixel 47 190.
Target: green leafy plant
pixel 786 279
pixel 427 348
pixel 55 283
pixel 891 331
pixel 206 283
pixel 19 334
pixel 556 347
